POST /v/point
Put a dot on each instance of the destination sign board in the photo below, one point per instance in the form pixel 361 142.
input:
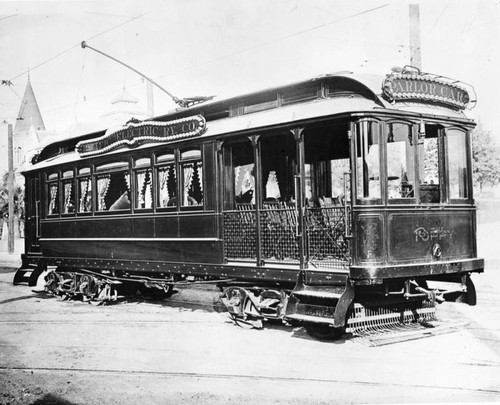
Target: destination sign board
pixel 133 135
pixel 419 87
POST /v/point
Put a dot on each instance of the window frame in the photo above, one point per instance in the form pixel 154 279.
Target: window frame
pixel 354 163
pixel 158 165
pixel 47 200
pixel 180 176
pixel 138 165
pixel 67 175
pixel 109 169
pixel 413 128
pixel 80 174
pixel 442 165
pixel 468 162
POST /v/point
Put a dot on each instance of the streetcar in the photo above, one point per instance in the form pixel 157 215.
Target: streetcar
pixel 336 203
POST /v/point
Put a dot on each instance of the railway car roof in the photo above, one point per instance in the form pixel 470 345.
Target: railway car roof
pixel 351 93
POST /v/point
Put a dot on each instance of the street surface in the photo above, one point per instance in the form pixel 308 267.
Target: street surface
pixel 182 351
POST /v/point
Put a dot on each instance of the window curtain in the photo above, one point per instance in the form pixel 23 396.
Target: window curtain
pixel 67 196
pixel 102 189
pixel 53 196
pixel 141 179
pixel 148 191
pixel 148 196
pixel 163 181
pixel 199 170
pixel 127 180
pixel 188 179
pixel 85 195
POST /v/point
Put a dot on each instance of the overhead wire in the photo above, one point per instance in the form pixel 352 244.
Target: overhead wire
pixel 265 43
pixel 8 16
pixel 78 44
pixel 437 19
pixel 79 85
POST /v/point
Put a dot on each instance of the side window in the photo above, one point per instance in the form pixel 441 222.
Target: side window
pixel 239 174
pixel 143 184
pixel 456 147
pixel 400 161
pixel 68 193
pixel 84 188
pixel 85 194
pixel 167 181
pixel 53 196
pixel 367 161
pixel 326 161
pixel 192 178
pixel 113 189
pixel 244 183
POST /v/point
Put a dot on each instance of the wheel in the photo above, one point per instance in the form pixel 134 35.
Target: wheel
pixel 467 297
pixel 127 288
pixel 323 331
pixel 156 293
pixel 51 283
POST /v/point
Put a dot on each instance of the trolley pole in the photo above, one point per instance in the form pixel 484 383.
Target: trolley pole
pixel 415 48
pixel 10 222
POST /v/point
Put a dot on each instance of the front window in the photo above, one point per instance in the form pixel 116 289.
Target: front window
pixel 429 161
pixel 456 146
pixel 367 161
pixel 400 162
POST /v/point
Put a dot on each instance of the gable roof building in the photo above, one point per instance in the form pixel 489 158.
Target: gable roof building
pixel 28 127
pixel 29 112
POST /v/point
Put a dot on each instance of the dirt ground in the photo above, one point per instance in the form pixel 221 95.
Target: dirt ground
pixel 182 351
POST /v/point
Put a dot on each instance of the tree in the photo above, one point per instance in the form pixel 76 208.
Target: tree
pixel 4 198
pixel 485 158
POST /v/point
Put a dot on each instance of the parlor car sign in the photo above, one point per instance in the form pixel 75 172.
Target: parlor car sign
pixel 136 134
pixel 421 87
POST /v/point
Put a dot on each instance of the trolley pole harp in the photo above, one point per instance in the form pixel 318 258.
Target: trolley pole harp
pixel 184 103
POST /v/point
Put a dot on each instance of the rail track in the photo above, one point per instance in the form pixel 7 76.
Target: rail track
pixel 267 378
pixel 183 343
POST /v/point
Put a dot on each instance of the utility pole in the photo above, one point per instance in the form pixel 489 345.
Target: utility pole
pixel 10 222
pixel 415 49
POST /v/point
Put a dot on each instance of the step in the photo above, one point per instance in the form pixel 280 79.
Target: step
pixel 27 275
pixel 23 275
pixel 317 293
pixel 309 318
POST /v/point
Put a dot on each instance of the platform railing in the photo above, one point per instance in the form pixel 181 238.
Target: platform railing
pixel 326 245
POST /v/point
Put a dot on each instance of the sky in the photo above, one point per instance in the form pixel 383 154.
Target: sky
pixel 228 47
